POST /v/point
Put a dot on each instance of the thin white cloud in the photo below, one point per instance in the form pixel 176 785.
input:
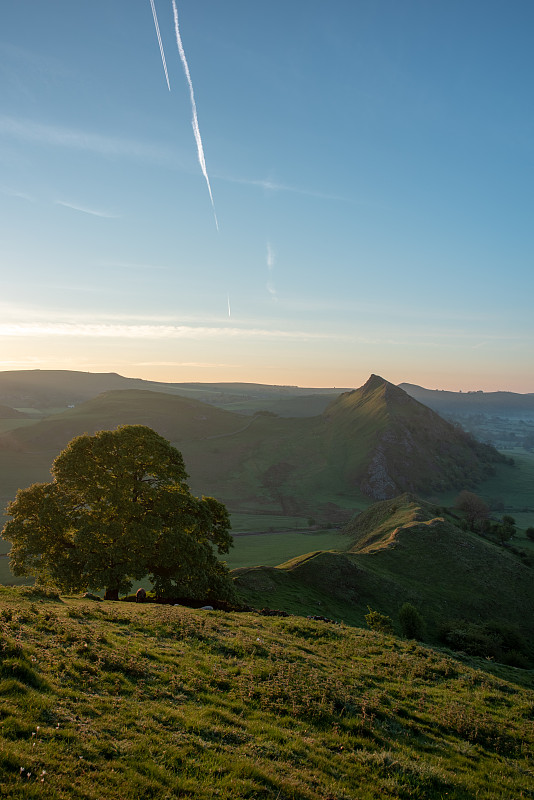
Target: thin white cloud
pixel 270 257
pixel 151 332
pixel 73 139
pixel 14 193
pixel 183 364
pixel 273 186
pixel 92 211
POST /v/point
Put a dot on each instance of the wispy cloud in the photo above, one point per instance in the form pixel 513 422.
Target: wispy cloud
pixel 270 266
pixel 14 193
pixel 151 332
pixel 269 185
pixel 92 211
pixel 200 364
pixel 74 139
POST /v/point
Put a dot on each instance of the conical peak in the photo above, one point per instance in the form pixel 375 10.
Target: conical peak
pixel 374 382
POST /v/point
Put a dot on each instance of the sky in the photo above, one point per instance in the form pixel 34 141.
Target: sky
pixel 364 205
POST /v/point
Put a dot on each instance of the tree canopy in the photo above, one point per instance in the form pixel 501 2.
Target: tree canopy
pixel 118 509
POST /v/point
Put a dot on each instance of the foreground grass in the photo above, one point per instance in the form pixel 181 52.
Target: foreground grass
pixel 119 701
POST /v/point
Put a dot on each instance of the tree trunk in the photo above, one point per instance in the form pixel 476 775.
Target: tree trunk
pixel 111 594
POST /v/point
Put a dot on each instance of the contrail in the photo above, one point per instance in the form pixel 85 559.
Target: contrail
pixel 229 312
pixel 160 43
pixel 194 121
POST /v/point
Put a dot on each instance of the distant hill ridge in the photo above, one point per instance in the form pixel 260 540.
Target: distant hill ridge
pixel 55 388
pixel 495 403
pixel 45 389
pixel 375 441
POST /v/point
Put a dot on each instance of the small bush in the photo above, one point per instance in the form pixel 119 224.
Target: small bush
pixel 378 622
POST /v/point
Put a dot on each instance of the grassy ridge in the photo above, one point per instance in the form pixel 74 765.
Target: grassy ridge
pixel 124 701
pixel 402 551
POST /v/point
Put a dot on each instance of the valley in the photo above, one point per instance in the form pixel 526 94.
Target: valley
pixel 342 519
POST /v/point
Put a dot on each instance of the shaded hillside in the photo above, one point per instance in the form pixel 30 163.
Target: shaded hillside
pixel 507 404
pixel 176 418
pixel 400 551
pixel 125 701
pixel 6 412
pixel 408 446
pixel 55 388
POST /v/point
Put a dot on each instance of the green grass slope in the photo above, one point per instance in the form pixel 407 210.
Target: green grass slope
pixel 388 443
pixel 121 701
pixel 178 419
pixel 401 551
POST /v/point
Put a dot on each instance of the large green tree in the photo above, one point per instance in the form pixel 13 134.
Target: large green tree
pixel 119 508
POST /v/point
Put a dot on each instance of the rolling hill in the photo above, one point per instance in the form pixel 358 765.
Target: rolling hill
pixel 507 404
pixel 403 551
pixel 373 442
pixel 54 389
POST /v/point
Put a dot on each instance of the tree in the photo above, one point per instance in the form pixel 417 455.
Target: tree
pixel 119 508
pixel 505 529
pixel 474 509
pixel 411 621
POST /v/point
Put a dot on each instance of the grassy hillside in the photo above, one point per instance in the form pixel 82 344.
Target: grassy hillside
pixel 47 389
pixel 408 448
pixel 178 419
pixel 401 551
pixel 124 701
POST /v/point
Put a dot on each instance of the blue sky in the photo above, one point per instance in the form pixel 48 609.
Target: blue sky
pixel 371 165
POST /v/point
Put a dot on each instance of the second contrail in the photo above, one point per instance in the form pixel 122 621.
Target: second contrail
pixel 158 34
pixel 194 121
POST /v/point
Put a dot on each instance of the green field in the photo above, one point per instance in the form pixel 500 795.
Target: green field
pixel 272 549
